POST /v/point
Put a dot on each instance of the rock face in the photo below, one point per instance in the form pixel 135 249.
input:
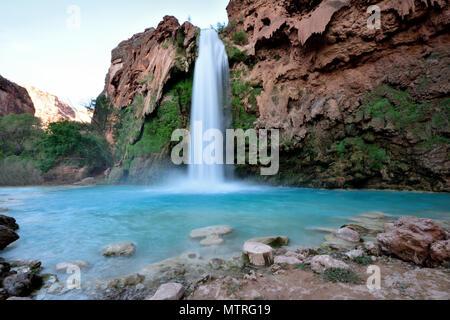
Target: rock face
pixel 150 75
pixel 14 99
pixel 169 291
pixel 49 108
pixel 257 254
pixel 417 240
pixel 7 236
pixel 323 262
pixel 356 106
pixel 119 249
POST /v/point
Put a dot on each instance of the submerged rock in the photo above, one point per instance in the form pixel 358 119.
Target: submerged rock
pixel 211 234
pixel 347 234
pixel 258 254
pixel 168 291
pixel 333 242
pixel 273 241
pixel 119 249
pixel 63 266
pixel 7 236
pixel 8 222
pixel 323 262
pixel 411 239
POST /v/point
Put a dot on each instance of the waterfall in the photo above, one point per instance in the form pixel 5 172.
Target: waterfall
pixel 209 96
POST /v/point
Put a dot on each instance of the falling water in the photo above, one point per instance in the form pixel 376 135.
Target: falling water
pixel 210 93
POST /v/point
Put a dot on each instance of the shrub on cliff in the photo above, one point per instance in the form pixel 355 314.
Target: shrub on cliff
pixel 240 38
pixel 19 135
pixel 65 141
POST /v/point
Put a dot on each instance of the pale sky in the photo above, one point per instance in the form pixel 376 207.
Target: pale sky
pixel 43 45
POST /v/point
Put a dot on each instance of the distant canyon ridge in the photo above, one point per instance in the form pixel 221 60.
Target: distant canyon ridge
pixel 17 99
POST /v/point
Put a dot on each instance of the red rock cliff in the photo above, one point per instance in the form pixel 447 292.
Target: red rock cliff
pixel 14 99
pixel 356 106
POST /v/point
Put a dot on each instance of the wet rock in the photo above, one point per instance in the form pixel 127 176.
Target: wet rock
pixel 347 234
pixel 89 181
pixel 323 262
pixel 273 241
pixel 133 279
pixel 168 291
pixel 8 222
pixel 25 264
pixel 20 284
pixel 7 236
pixel 212 240
pixel 119 249
pixel 257 254
pixel 64 266
pixel 411 238
pixel 333 242
pixel 211 234
pixel 3 294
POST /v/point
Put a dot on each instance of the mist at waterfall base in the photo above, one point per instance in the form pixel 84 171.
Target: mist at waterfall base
pixel 210 95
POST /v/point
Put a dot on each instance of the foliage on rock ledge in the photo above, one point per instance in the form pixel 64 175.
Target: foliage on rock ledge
pixel 27 151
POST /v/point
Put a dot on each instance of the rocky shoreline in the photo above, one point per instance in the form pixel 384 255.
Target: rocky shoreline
pixel 412 256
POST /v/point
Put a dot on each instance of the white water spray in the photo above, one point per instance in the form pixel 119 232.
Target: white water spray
pixel 209 96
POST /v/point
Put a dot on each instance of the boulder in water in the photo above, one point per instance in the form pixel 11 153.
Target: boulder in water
pixel 211 234
pixel 119 249
pixel 20 284
pixel 257 254
pixel 347 234
pixel 7 236
pixel 8 222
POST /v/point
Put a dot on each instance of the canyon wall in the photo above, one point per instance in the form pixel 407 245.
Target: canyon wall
pixel 14 99
pixel 49 108
pixel 147 95
pixel 357 107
